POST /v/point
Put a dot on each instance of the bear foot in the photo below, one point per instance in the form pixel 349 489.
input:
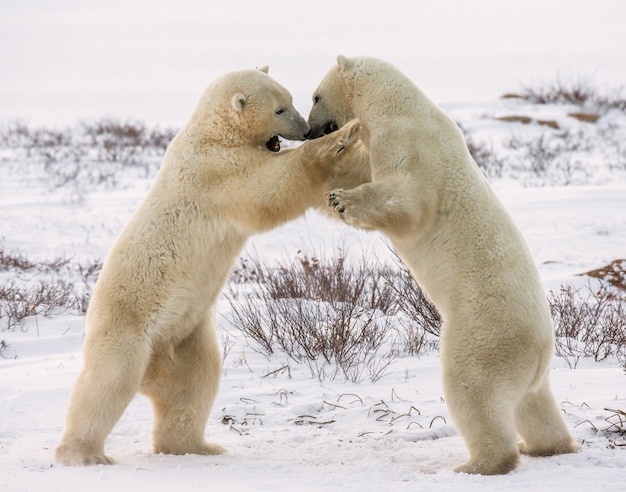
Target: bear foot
pixel 211 449
pixel 206 449
pixel 564 447
pixel 81 456
pixel 484 467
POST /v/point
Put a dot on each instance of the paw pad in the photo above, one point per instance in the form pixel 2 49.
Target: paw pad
pixel 333 201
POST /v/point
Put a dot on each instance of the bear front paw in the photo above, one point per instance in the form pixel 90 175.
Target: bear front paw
pixel 348 135
pixel 335 201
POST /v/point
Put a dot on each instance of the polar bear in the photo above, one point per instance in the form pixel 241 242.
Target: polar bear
pixel 150 322
pixel 429 197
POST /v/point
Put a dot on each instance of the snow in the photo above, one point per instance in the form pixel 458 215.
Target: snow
pixel 68 61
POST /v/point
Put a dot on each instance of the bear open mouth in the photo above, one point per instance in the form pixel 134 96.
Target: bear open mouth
pixel 273 144
pixel 330 128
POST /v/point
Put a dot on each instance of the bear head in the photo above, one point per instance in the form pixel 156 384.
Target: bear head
pixel 331 100
pixel 256 110
pixel 247 107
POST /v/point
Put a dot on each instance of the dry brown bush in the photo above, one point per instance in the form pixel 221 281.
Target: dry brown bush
pixel 42 287
pixel 589 322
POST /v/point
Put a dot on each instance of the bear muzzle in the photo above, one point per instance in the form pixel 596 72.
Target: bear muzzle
pixel 321 130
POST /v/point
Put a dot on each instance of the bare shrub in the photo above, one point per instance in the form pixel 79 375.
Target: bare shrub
pixel 330 339
pixel 412 301
pixel 551 157
pixel 337 316
pixel 339 333
pixel 332 280
pixel 254 321
pixel 292 313
pixel 616 421
pixel 41 299
pixel 578 91
pixel 588 146
pixel 589 322
pixel 42 287
pixel 88 273
pixel 92 153
pixel 14 134
pixel 329 314
pixel 12 260
pixel 126 142
pixel 614 273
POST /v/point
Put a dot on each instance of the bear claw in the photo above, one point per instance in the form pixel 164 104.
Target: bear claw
pixel 334 198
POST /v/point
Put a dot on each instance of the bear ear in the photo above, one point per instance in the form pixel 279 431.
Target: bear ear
pixel 238 101
pixel 264 69
pixel 343 61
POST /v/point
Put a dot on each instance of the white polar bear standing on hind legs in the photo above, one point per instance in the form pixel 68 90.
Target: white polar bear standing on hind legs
pixel 429 197
pixel 150 324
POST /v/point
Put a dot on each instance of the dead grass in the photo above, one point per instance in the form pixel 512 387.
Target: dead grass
pixel 615 424
pixel 339 318
pixel 17 261
pixel 616 421
pixel 34 288
pixel 585 117
pixel 566 152
pixel 589 322
pixel 577 91
pixel 552 157
pixel 326 314
pixel 515 119
pixel 91 154
pixel 614 273
pixel 411 300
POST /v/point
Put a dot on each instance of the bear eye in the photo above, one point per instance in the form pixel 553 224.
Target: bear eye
pixel 316 99
pixel 280 111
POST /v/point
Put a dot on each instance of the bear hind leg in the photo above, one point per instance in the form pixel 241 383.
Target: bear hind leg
pixel 182 383
pixel 111 378
pixel 541 425
pixel 487 425
pixel 491 444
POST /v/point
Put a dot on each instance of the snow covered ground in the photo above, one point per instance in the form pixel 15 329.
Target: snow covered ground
pixel 66 61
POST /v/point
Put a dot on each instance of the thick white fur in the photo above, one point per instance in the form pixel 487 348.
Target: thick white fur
pixel 150 323
pixel 429 197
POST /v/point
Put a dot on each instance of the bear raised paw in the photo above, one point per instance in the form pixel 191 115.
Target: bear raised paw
pixel 429 197
pixel 150 325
